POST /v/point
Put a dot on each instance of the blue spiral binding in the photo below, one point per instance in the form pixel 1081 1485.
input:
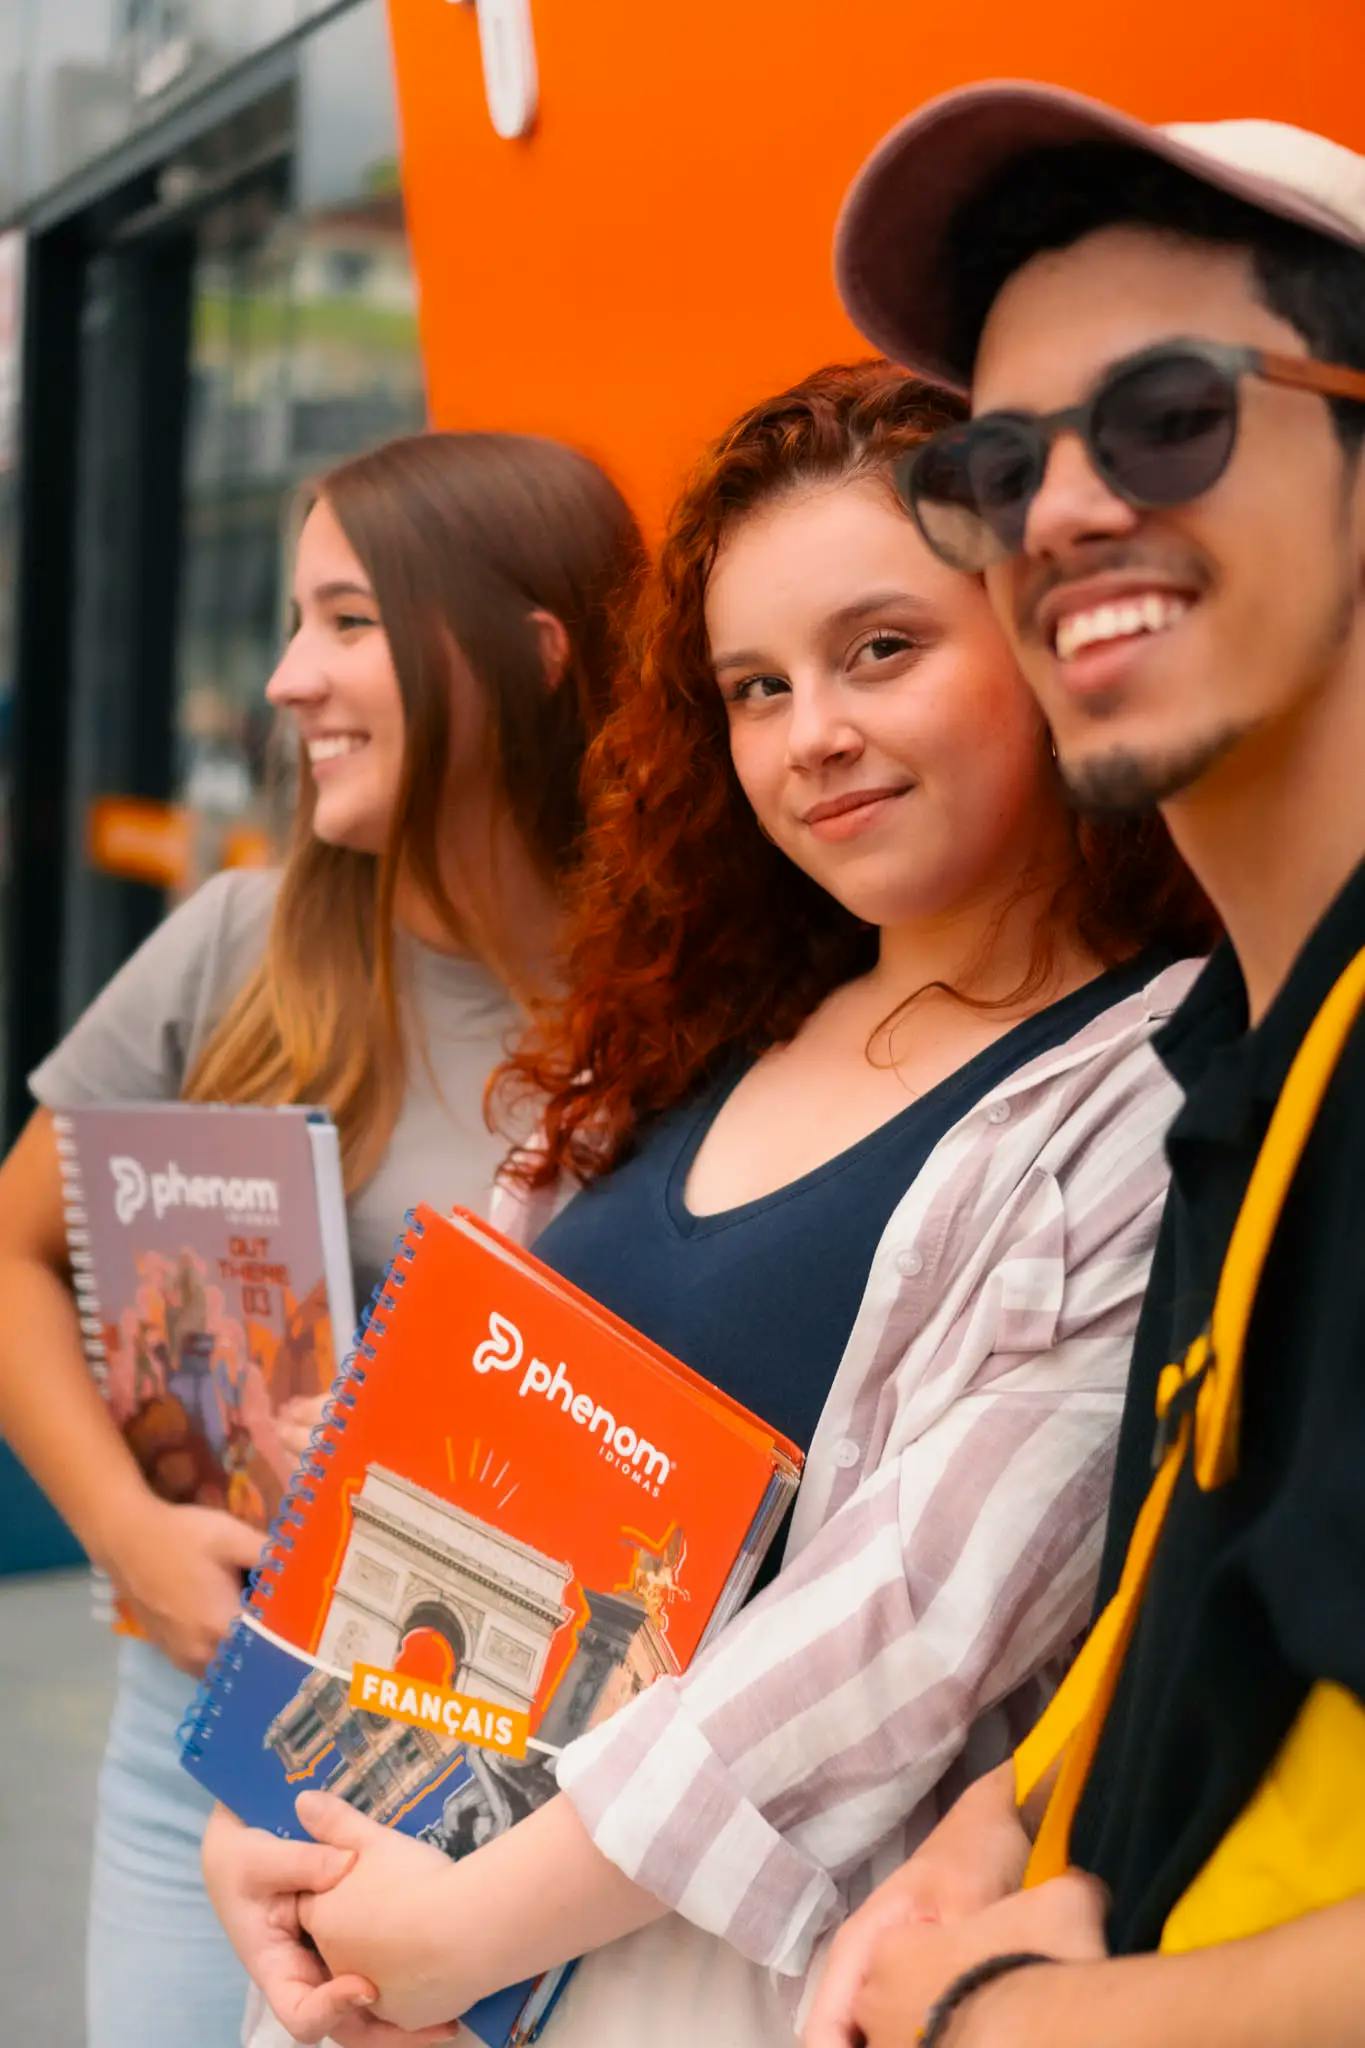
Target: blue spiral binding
pixel 217 1682
pixel 196 1728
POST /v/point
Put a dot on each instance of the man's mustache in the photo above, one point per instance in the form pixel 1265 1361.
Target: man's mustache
pixel 1180 566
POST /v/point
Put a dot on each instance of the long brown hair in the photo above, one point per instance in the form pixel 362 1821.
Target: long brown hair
pixel 462 537
pixel 692 937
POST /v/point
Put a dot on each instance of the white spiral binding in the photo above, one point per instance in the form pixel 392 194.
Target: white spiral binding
pixel 83 1283
pixel 88 1312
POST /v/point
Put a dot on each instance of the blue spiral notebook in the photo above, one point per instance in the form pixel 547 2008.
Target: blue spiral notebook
pixel 263 1680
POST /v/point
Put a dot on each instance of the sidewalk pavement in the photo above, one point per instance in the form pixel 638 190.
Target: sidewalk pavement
pixel 56 1688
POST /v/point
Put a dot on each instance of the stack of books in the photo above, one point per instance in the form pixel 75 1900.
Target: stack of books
pixel 517 1513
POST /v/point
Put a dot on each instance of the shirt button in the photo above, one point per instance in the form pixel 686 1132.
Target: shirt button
pixel 846 1453
pixel 909 1263
pixel 998 1113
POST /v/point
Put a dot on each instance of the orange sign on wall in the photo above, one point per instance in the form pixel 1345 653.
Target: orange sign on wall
pixel 147 841
pixel 655 254
pixel 138 838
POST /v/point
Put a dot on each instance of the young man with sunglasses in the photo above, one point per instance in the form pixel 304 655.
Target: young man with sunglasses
pixel 1164 336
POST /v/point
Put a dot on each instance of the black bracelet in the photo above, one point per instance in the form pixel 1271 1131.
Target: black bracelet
pixel 946 2004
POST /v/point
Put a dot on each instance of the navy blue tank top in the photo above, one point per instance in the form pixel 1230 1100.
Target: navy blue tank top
pixel 761 1298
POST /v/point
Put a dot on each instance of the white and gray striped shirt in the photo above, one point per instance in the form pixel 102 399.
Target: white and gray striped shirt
pixel 946 1537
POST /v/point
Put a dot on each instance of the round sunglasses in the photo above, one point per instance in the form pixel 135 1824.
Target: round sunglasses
pixel 1159 428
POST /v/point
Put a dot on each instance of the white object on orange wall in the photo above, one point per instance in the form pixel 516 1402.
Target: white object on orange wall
pixel 511 81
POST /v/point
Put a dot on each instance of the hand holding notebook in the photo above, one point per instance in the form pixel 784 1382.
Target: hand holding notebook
pixel 209 1260
pixel 179 1577
pixel 393 1919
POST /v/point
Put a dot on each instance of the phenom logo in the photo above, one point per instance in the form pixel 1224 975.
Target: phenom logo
pixel 130 1188
pixel 172 1189
pixel 503 1350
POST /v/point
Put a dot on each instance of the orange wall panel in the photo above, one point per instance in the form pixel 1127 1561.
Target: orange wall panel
pixel 656 253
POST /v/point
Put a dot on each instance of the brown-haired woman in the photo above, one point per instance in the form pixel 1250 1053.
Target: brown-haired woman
pixel 451 649
pixel 855 1061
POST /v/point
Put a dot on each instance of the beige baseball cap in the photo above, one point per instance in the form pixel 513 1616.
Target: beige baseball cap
pixel 891 245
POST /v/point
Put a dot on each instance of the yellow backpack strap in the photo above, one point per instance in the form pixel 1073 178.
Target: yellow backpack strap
pixel 1071 1725
pixel 1219 1406
pixel 1207 1380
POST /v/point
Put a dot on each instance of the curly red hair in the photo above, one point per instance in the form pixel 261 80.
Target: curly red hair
pixel 690 937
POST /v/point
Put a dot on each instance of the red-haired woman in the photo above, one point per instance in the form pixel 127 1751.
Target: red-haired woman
pixel 854 1070
pixel 451 650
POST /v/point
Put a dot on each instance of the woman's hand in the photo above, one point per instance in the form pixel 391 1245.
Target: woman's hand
pixel 387 1921
pixel 253 1880
pixel 296 1420
pixel 256 1883
pixel 408 1936
pixel 180 1571
pixel 975 1856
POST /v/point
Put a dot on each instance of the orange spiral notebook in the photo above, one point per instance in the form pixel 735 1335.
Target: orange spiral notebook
pixel 517 1514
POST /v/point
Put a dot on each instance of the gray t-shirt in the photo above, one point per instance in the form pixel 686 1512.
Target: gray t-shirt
pixel 142 1034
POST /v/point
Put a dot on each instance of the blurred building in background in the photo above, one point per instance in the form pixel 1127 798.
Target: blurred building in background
pixel 206 296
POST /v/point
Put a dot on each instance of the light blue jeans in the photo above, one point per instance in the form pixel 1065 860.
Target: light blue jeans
pixel 159 1970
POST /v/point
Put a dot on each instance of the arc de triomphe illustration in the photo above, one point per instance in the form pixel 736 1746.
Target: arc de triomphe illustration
pixel 413 1560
